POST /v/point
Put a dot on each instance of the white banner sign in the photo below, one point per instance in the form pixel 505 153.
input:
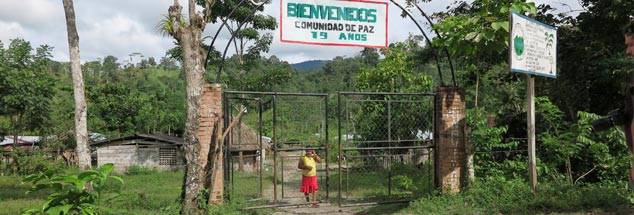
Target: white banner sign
pixel 334 23
pixel 533 47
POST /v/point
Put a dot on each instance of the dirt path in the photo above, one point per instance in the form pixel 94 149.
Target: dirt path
pixel 292 181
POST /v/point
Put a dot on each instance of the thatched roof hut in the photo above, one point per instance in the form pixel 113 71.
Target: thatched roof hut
pixel 244 138
pixel 244 148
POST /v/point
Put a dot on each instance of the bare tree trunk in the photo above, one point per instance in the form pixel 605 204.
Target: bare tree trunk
pixel 81 128
pixel 190 38
pixel 193 183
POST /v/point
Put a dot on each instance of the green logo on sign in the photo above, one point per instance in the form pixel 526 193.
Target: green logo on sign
pixel 519 45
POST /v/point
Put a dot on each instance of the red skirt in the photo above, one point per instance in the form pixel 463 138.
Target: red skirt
pixel 309 184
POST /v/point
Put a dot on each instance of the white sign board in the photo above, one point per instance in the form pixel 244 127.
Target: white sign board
pixel 334 23
pixel 533 47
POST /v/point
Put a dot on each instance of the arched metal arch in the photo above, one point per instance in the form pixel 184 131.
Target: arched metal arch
pixel 224 23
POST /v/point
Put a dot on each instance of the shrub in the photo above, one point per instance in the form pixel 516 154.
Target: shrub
pixel 71 193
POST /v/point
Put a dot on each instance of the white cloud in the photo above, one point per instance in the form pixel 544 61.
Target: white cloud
pixel 32 13
pixel 10 30
pixel 119 36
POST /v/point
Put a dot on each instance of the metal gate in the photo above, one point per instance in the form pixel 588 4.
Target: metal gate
pixel 385 147
pixel 283 125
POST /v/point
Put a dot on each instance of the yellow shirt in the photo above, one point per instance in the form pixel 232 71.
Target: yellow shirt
pixel 309 161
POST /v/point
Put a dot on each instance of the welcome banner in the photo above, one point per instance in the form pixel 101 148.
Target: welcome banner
pixel 334 23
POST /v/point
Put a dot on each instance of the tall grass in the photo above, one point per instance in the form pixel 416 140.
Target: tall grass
pixel 516 197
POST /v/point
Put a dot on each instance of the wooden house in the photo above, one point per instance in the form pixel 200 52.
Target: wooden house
pixel 153 151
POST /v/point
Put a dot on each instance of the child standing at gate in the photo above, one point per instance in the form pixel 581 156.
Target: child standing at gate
pixel 308 165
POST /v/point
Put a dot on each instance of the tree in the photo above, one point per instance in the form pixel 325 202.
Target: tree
pixel 110 67
pixel 370 56
pixel 250 25
pixel 115 108
pixel 81 127
pixel 188 33
pixel 395 73
pixel 477 33
pixel 593 66
pixel 26 88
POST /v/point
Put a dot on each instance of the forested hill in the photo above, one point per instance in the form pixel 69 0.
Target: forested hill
pixel 311 65
pixel 146 97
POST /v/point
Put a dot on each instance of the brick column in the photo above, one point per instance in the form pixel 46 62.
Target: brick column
pixel 211 116
pixel 450 156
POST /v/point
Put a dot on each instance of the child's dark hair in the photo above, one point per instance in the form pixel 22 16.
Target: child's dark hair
pixel 629 28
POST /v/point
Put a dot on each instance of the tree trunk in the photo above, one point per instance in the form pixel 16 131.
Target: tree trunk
pixel 81 128
pixel 190 38
pixel 194 174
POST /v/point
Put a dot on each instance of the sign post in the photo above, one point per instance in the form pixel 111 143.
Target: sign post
pixel 334 23
pixel 533 51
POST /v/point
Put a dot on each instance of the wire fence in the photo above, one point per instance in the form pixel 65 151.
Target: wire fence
pixel 385 146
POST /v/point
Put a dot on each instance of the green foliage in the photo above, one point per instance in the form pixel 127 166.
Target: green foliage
pixel 403 183
pixel 594 67
pixel 115 107
pixel 480 29
pixel 394 73
pixel 26 88
pixel 573 152
pixel 70 192
pixel 488 142
pixel 246 25
pixel 501 196
pixel 501 94
pixel 32 162
pixel 266 74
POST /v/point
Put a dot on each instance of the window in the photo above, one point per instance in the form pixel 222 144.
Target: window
pixel 167 156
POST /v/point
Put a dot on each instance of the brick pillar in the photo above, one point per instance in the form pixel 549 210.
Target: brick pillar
pixel 451 169
pixel 211 116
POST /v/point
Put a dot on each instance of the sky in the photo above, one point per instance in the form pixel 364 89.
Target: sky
pixel 122 27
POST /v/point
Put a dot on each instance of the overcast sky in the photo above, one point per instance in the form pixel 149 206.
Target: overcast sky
pixel 122 27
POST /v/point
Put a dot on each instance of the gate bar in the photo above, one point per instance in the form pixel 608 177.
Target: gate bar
pixel 326 146
pixel 389 147
pixel 300 149
pixel 376 203
pixel 276 93
pixel 280 205
pixel 387 93
pixel 339 118
pixel 274 149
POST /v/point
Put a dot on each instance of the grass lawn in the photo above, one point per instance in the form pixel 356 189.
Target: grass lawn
pixel 13 198
pixel 147 192
pixel 154 192
pixel 404 182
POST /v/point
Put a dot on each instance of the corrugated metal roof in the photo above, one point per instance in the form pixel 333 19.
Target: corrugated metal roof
pixel 22 140
pixel 148 137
